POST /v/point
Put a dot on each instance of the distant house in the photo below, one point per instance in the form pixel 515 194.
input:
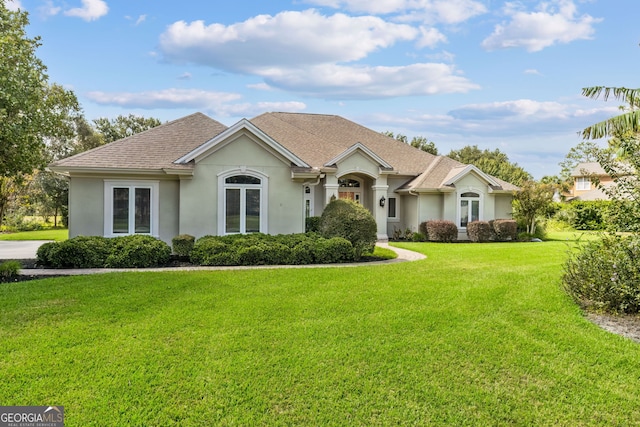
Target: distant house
pixel 197 176
pixel 583 186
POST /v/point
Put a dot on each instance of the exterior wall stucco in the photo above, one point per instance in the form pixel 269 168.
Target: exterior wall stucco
pixel 86 207
pixel 503 206
pixel 169 210
pixel 199 195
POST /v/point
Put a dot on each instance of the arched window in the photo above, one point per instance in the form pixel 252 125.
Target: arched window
pixel 243 210
pixel 469 208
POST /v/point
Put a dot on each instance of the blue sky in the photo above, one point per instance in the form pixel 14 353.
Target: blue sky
pixel 496 74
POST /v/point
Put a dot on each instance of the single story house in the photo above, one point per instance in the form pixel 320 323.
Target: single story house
pixel 197 176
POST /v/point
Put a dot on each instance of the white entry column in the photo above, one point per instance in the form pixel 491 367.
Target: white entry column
pixel 380 188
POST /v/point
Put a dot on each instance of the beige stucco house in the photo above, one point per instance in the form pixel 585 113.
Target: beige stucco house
pixel 583 186
pixel 197 176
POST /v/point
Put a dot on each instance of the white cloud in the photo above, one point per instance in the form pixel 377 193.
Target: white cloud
pixel 185 76
pixel 288 38
pixel 216 103
pixel 520 108
pixel 430 37
pixel 332 81
pixel 141 19
pixel 168 98
pixel 533 71
pixel 310 53
pixel 251 110
pixel 90 10
pixel 49 9
pixel 554 22
pixel 432 11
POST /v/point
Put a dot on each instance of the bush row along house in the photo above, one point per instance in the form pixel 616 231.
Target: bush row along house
pixel 197 176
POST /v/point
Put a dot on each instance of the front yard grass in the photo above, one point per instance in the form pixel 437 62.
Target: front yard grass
pixel 57 234
pixel 476 334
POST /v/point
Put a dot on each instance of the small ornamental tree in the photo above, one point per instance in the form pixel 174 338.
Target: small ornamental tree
pixel 350 220
pixel 532 200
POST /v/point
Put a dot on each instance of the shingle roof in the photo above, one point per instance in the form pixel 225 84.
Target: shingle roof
pixel 317 138
pixel 588 168
pixel 314 138
pixel 154 149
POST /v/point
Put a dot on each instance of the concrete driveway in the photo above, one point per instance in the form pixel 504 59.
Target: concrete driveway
pixel 20 249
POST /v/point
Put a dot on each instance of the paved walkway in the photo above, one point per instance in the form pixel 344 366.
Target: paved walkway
pixel 19 249
pixel 403 256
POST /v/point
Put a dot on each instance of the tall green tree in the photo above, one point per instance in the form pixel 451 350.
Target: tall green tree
pixel 424 144
pixel 31 110
pixel 585 151
pixel 123 126
pixel 419 142
pixel 494 163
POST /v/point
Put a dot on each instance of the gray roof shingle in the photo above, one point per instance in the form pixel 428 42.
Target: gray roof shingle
pixel 314 138
pixel 153 149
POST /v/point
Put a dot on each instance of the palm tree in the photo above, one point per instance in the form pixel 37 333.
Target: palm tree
pixel 627 122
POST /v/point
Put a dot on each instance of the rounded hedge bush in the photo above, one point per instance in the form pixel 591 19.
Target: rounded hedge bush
pixel 135 251
pixel 605 275
pixel 351 221
pixel 138 251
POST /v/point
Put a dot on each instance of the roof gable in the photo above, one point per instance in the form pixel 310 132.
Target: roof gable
pixel 223 137
pixel 362 148
pixel 457 174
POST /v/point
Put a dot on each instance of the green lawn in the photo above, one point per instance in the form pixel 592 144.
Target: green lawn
pixel 57 234
pixel 476 334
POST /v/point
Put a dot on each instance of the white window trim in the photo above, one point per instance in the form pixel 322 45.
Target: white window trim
pixel 480 205
pixel 397 217
pixel 222 200
pixel 110 184
pixel 583 183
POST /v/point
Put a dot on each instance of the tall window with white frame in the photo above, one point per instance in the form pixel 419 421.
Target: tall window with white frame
pixel 130 207
pixel 469 208
pixel 242 204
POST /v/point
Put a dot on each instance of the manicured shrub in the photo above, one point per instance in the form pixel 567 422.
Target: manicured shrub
pixel 303 253
pixel 211 250
pixel 479 231
pixel 504 229
pixel 441 231
pixel 278 253
pixel 9 271
pixel 334 250
pixel 422 229
pixel 134 251
pixel 605 274
pixel 251 255
pixel 312 224
pixel 418 237
pixel 138 251
pixel 262 249
pixel 347 219
pixel 45 252
pixel 80 252
pixel 183 245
